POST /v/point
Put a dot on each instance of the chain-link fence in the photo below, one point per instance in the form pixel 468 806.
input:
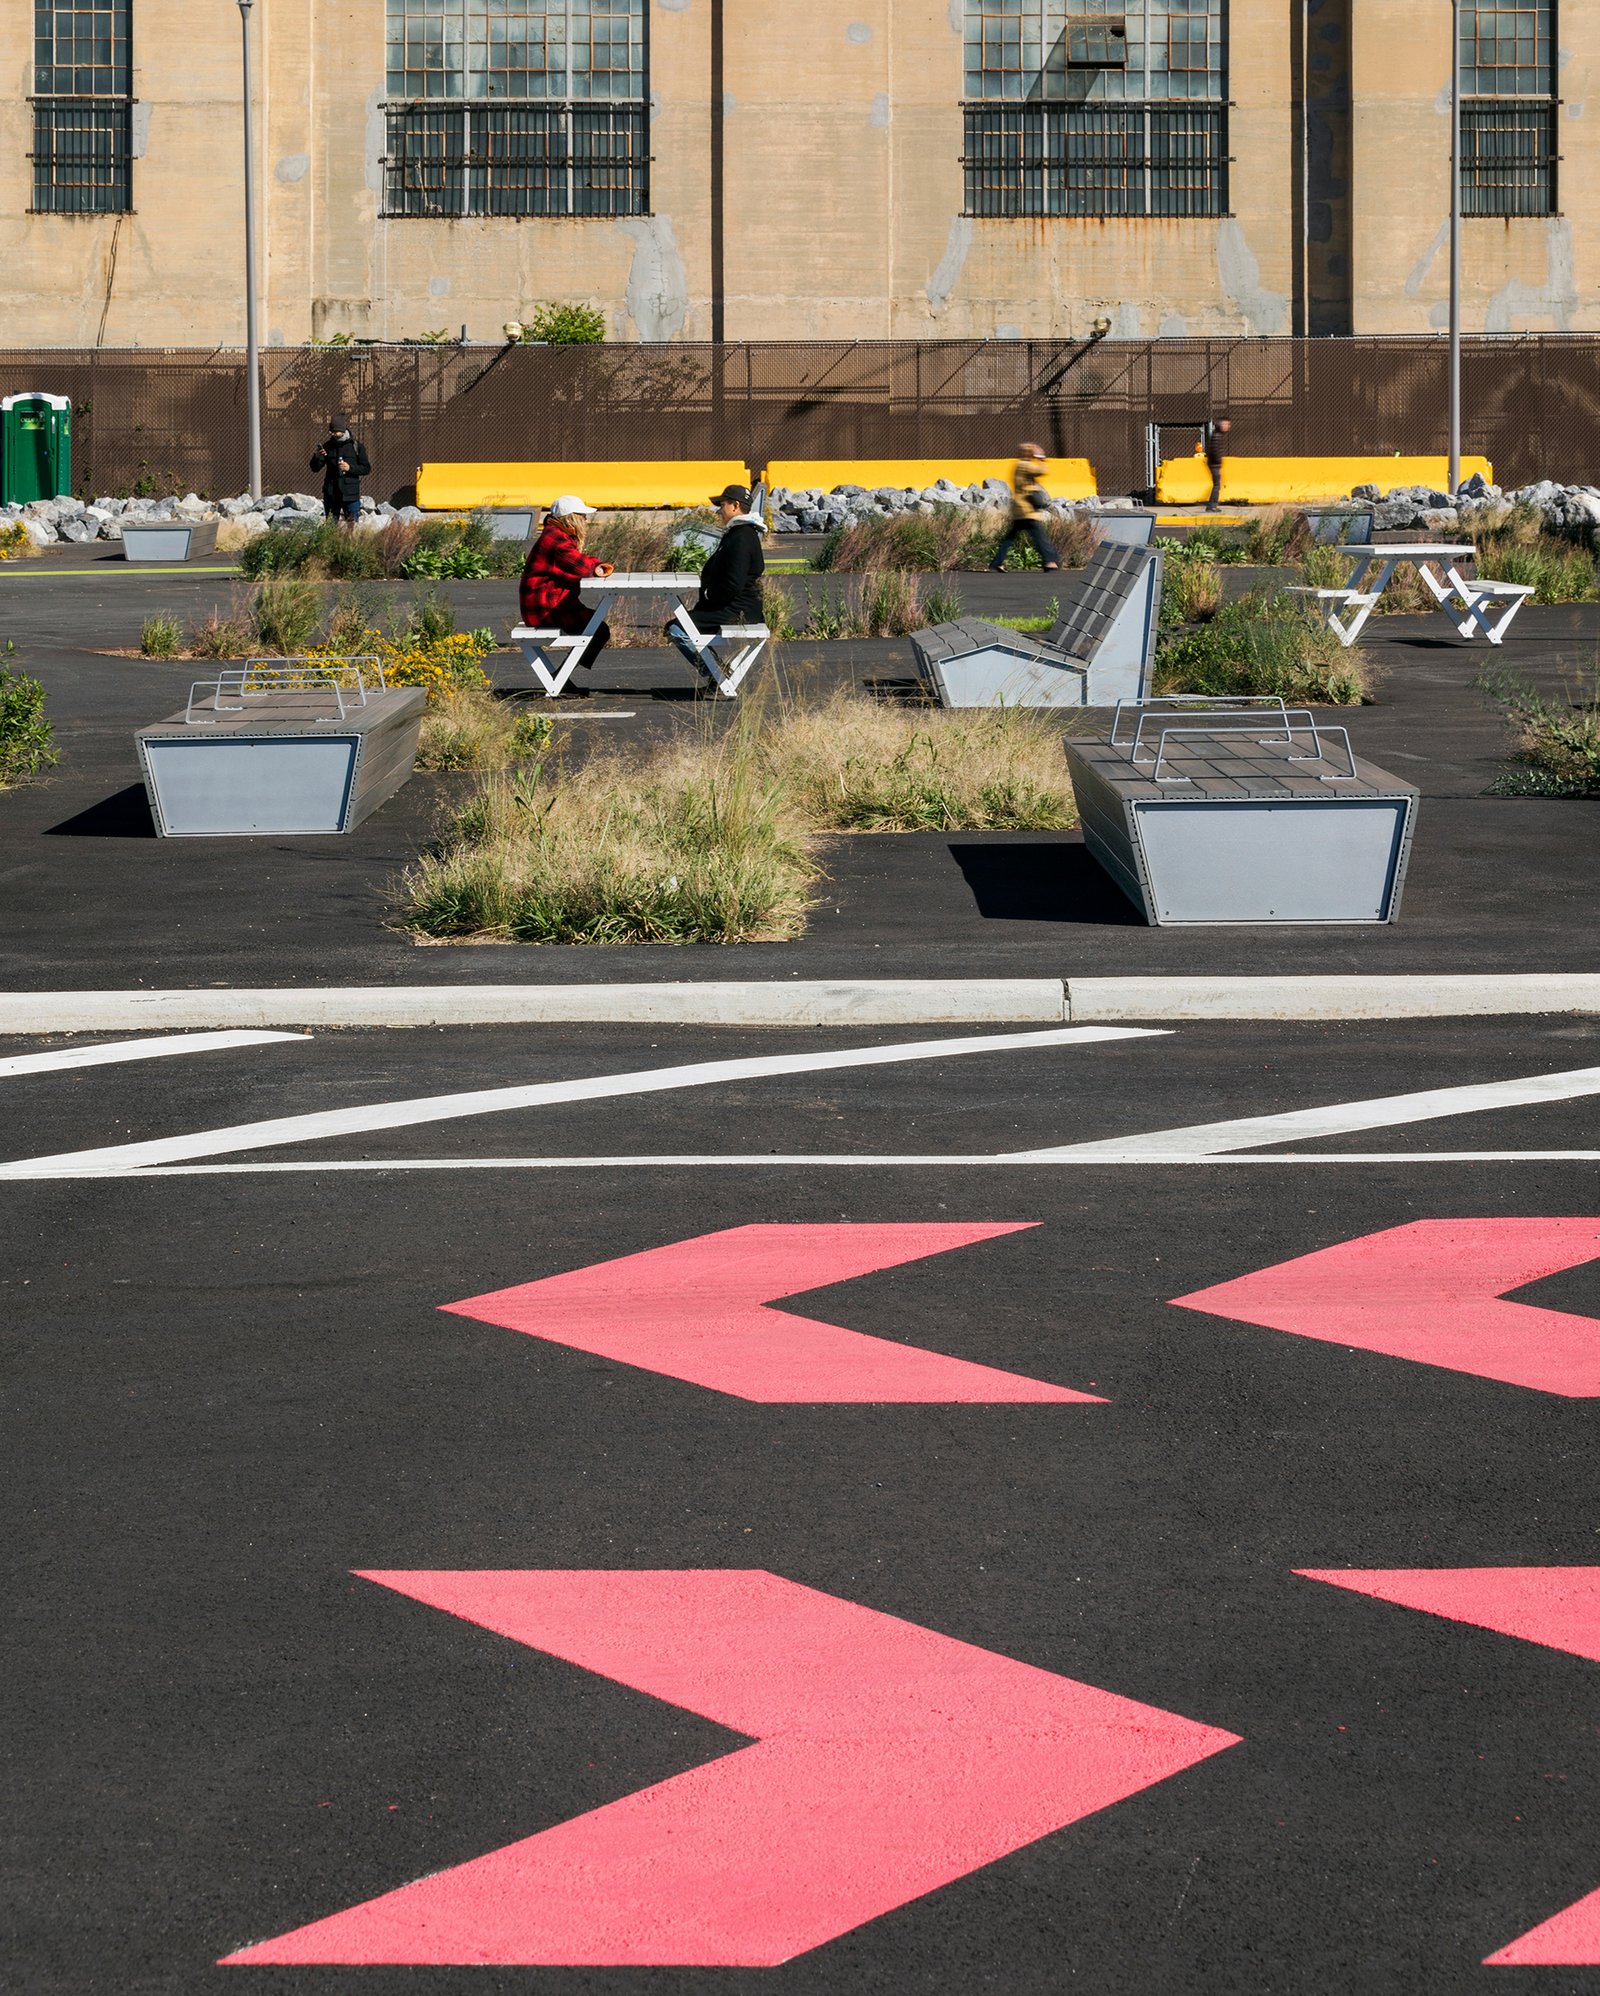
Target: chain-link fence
pixel 163 421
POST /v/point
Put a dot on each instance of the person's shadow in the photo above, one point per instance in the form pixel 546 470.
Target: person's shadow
pixel 1043 883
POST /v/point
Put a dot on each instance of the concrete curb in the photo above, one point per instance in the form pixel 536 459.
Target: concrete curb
pixel 845 1002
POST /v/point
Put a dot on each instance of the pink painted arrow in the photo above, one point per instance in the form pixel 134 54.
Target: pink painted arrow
pixel 887 1761
pixel 1434 1291
pixel 1558 1606
pixel 697 1310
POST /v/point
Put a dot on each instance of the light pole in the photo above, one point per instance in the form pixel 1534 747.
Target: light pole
pixel 1455 245
pixel 251 340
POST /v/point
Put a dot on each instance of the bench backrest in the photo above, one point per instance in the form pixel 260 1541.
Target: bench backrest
pixel 1329 529
pixel 1111 625
pixel 1133 530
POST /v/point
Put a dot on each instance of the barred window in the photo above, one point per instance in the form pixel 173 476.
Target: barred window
pixel 1095 107
pixel 82 107
pixel 1508 109
pixel 517 108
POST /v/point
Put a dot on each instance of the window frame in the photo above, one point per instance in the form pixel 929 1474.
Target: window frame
pixel 100 116
pixel 1510 150
pixel 487 150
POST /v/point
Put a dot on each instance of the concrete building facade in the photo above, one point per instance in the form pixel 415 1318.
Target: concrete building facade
pixel 856 169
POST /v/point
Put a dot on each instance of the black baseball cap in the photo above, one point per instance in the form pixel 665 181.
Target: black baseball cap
pixel 732 495
pixel 339 420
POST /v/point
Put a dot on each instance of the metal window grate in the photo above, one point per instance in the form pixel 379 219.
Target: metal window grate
pixel 1091 159
pixel 82 107
pixel 517 160
pixel 1508 159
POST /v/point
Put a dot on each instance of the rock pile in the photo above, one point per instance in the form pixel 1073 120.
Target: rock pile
pixel 817 512
pixel 51 520
pixel 1564 508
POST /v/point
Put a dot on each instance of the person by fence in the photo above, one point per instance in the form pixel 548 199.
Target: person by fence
pixel 1216 450
pixel 343 462
pixel 1027 511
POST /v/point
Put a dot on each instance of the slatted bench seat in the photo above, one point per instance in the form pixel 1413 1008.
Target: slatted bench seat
pixel 1100 652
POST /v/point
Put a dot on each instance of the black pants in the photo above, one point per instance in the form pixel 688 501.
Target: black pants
pixel 1215 465
pixel 1043 545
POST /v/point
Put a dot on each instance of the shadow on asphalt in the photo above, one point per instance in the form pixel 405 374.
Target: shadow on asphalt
pixel 124 815
pixel 1043 883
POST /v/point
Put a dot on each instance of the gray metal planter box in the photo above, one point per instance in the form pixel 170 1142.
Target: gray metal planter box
pixel 1232 816
pixel 511 523
pixel 169 540
pixel 1100 652
pixel 307 759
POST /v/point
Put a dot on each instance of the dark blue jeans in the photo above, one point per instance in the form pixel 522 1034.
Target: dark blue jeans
pixel 342 509
pixel 1042 544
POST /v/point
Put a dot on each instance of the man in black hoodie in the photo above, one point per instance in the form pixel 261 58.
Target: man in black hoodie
pixel 343 464
pixel 730 583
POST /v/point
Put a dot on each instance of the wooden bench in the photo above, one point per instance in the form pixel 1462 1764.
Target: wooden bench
pixel 1100 652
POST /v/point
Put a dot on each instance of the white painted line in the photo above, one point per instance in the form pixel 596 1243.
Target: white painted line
pixel 1414 996
pixel 724 1161
pixel 1380 1113
pixel 325 1123
pixel 119 1050
pixel 848 1002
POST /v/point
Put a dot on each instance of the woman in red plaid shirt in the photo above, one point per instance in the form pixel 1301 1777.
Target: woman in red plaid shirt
pixel 556 565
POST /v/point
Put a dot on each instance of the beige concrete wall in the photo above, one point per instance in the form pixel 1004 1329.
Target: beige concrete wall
pixel 1537 274
pixel 844 200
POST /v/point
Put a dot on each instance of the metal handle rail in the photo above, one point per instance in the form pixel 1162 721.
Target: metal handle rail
pixel 1346 775
pixel 1291 720
pixel 325 667
pixel 234 683
pixel 1218 703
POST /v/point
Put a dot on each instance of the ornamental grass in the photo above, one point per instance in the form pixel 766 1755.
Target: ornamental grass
pixel 1264 644
pixel 719 837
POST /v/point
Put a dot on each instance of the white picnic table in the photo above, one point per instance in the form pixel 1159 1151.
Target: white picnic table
pixel 1474 607
pixel 723 656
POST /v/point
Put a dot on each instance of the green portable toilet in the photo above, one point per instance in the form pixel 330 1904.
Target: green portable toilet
pixel 35 447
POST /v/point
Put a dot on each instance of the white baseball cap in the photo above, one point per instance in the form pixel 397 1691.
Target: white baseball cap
pixel 569 502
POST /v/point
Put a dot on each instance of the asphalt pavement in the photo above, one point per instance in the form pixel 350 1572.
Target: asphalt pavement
pixel 234 1391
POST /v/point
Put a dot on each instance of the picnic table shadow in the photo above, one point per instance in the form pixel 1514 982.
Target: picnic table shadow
pixel 1059 881
pixel 123 815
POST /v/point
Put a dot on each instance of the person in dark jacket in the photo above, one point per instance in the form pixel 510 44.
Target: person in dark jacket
pixel 730 583
pixel 555 566
pixel 343 463
pixel 1216 450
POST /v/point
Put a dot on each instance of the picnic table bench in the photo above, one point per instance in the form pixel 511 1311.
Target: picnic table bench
pixel 1475 607
pixel 724 657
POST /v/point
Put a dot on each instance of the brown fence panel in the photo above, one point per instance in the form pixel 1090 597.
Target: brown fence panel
pixel 172 420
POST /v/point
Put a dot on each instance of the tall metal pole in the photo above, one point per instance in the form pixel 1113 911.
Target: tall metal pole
pixel 1455 244
pixel 252 344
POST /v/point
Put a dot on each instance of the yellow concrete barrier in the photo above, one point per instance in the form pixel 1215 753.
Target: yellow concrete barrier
pixel 460 488
pixel 1277 481
pixel 1064 477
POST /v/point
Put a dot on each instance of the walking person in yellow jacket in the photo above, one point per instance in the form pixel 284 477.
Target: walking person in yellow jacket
pixel 1027 511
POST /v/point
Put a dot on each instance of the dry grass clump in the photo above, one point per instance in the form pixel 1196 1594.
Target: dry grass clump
pixel 685 842
pixel 707 838
pixel 468 729
pixel 1556 749
pixel 863 766
pixel 947 538
pixel 647 543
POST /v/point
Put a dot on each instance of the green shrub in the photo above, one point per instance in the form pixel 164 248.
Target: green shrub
pixel 287 613
pixel 161 636
pixel 26 743
pixel 1557 747
pixel 1555 570
pixel 1191 589
pixel 1263 645
pixel 564 325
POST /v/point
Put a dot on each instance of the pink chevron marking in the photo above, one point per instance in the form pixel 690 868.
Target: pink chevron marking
pixel 887 1761
pixel 697 1310
pixel 1558 1606
pixel 1433 1292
